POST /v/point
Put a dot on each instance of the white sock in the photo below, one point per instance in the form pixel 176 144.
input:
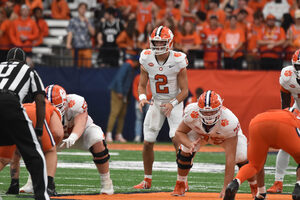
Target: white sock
pixel 105 177
pixel 148 176
pixel 182 178
pixel 282 163
pixel 261 190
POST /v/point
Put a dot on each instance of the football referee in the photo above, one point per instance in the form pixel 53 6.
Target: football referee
pixel 17 80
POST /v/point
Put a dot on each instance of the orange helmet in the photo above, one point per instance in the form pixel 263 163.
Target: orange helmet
pixel 58 97
pixel 210 104
pixel 161 34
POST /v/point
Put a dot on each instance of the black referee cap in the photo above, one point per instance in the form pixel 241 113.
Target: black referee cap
pixel 16 54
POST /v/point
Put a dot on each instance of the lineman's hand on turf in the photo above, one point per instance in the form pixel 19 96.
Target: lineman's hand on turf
pixel 70 141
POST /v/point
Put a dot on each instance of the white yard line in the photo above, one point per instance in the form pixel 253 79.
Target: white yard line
pixel 83 153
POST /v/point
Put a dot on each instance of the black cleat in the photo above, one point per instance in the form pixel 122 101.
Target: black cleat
pixel 231 190
pixel 261 196
pixel 13 189
pixel 296 192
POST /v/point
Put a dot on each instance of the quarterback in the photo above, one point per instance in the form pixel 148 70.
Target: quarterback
pixel 207 121
pixel 166 71
pixel 289 87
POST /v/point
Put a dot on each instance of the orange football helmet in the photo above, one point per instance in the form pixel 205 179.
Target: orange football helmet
pixel 210 104
pixel 161 34
pixel 57 96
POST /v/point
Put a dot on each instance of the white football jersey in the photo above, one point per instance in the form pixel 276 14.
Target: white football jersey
pixel 227 126
pixel 163 77
pixel 288 80
pixel 76 105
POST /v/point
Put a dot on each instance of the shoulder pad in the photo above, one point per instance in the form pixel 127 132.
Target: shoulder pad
pixel 191 112
pixel 76 103
pixel 144 54
pixel 286 75
pixel 228 121
pixel 179 56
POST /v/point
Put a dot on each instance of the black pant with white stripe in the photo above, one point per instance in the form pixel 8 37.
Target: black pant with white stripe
pixel 16 128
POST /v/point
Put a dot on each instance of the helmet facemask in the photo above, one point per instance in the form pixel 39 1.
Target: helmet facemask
pixel 297 69
pixel 159 49
pixel 210 116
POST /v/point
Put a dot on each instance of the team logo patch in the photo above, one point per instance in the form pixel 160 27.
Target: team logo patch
pixel 224 122
pixel 150 64
pixel 292 86
pixel 160 69
pixel 71 103
pixel 148 52
pixel 288 73
pixel 194 114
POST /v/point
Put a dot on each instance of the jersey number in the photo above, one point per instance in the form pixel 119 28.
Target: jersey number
pixel 161 81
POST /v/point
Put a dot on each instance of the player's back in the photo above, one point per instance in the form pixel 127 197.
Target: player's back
pixel 163 76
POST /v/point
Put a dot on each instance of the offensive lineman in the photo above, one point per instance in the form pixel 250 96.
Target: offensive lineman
pixel 166 70
pixel 289 86
pixel 207 121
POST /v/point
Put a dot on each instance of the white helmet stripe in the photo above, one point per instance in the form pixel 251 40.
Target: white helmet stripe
pixel 207 98
pixel 158 31
pixel 49 93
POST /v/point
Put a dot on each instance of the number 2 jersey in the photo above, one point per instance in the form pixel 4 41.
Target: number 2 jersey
pixel 76 105
pixel 163 77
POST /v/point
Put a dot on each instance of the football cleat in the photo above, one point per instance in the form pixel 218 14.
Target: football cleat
pixel 27 188
pixel 108 137
pixel 179 189
pixel 260 196
pixel 231 190
pixel 13 189
pixel 145 184
pixel 253 189
pixel 107 187
pixel 51 192
pixel 276 188
pixel 119 138
pixel 296 192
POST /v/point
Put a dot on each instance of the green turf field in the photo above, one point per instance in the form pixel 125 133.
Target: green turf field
pixel 85 180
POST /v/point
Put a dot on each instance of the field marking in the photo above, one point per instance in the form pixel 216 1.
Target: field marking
pixel 83 153
pixel 160 166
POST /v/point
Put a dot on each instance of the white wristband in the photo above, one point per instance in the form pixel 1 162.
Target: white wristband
pixel 174 102
pixel 142 96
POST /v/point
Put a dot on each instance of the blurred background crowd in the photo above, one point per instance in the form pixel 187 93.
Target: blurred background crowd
pixel 215 34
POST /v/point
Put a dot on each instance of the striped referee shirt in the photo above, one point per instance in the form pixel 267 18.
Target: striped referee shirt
pixel 20 78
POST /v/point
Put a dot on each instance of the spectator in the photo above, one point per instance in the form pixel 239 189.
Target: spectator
pixel 189 42
pixel 80 30
pixel 232 40
pixel 127 39
pixel 293 35
pixel 215 10
pixel 10 11
pixel 189 8
pixel 270 41
pixel 139 116
pixel 210 38
pixel 120 90
pixel 257 5
pixel 196 95
pixel 5 42
pixel 143 40
pixel 242 21
pixel 228 11
pixel 145 13
pixel 60 9
pixel 277 8
pixel 201 23
pixel 107 34
pixel 169 11
pixel 243 4
pixel 128 7
pixel 32 4
pixel 41 24
pixel 252 56
pixel 286 21
pixel 23 32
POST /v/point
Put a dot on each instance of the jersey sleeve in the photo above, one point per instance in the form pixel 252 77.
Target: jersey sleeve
pixel 76 104
pixel 190 113
pixel 143 58
pixel 181 60
pixel 285 77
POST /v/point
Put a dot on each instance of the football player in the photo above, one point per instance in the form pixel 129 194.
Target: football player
pixel 276 129
pixel 208 121
pixel 81 132
pixel 166 71
pixel 52 134
pixel 289 81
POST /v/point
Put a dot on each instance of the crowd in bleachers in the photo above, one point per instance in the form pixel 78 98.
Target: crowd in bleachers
pixel 228 34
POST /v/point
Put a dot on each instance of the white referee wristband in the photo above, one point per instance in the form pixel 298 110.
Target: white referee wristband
pixel 174 102
pixel 142 96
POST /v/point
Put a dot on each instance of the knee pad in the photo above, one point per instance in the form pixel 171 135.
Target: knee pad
pixel 184 159
pixel 242 164
pixel 98 157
